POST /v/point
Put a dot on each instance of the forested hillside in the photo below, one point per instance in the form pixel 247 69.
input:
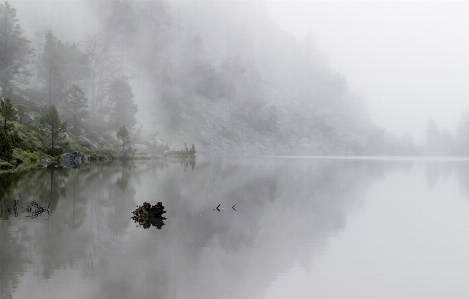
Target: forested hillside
pixel 225 75
pixel 221 75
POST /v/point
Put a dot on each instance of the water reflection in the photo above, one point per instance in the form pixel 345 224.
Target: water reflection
pixel 440 171
pixel 34 209
pixel 284 211
pixel 436 170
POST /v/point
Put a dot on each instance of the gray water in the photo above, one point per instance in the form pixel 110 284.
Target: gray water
pixel 301 228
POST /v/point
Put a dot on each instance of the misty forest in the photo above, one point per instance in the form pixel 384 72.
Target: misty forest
pixel 198 149
pixel 235 90
pixel 218 82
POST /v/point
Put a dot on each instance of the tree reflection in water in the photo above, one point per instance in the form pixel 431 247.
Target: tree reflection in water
pixel 89 230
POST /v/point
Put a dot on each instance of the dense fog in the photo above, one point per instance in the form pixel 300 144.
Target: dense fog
pixel 257 77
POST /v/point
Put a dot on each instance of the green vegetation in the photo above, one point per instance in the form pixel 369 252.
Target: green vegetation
pixel 53 126
pixel 7 113
pixel 6 147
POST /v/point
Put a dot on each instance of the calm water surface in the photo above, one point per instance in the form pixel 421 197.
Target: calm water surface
pixel 303 228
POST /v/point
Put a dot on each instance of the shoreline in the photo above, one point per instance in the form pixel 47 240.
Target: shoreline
pixel 40 160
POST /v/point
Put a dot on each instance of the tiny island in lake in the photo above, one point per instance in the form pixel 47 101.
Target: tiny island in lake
pixel 147 215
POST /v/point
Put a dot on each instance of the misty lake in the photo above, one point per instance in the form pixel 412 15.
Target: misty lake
pixel 300 228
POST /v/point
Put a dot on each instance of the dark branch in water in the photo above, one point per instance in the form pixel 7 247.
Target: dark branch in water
pixel 35 209
pixel 13 208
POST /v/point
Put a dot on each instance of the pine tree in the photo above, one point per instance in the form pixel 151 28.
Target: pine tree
pixel 7 113
pixel 123 135
pixel 49 66
pixel 77 104
pixel 6 147
pixel 120 107
pixel 60 65
pixel 15 52
pixel 52 124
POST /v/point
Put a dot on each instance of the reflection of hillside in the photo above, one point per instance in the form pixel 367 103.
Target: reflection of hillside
pixel 63 240
pixel 462 177
pixel 14 257
pixel 434 170
pixel 286 210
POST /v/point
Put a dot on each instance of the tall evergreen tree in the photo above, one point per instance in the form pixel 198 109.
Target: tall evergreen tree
pixel 53 126
pixel 123 135
pixel 120 107
pixel 6 147
pixel 60 65
pixel 103 67
pixel 77 104
pixel 49 67
pixel 15 52
pixel 8 114
pixel 75 66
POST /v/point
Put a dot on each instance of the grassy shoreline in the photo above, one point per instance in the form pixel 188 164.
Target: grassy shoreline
pixel 25 161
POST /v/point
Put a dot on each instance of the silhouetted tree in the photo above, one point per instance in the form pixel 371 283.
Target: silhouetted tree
pixel 61 65
pixel 103 67
pixel 53 126
pixel 120 107
pixel 15 53
pixel 76 67
pixel 6 147
pixel 8 113
pixel 49 67
pixel 123 135
pixel 77 104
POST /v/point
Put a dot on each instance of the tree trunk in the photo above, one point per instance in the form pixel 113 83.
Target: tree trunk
pixel 50 88
pixel 75 118
pixel 52 137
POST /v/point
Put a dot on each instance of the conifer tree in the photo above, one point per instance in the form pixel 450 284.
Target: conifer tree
pixel 48 66
pixel 77 104
pixel 15 53
pixel 123 135
pixel 60 65
pixel 6 147
pixel 7 113
pixel 120 107
pixel 53 126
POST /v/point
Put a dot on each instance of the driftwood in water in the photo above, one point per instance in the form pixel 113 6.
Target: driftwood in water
pixel 148 215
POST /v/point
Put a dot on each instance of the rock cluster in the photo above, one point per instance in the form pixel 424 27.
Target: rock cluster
pixel 70 160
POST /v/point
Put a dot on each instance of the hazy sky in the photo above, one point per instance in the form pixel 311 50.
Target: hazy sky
pixel 408 59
